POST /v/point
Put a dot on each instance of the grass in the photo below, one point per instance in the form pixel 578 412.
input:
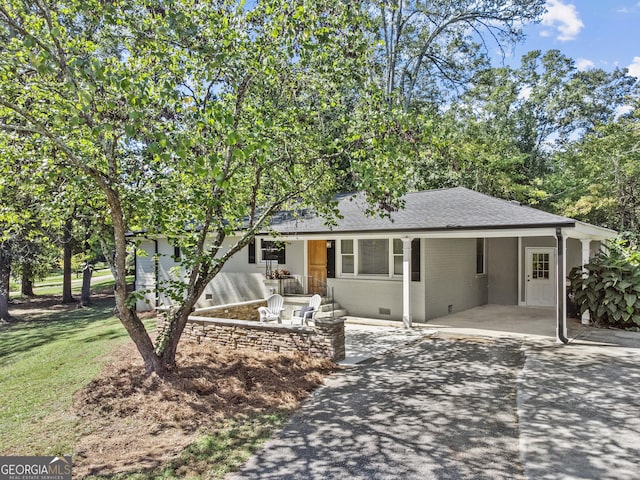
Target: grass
pixel 49 355
pixel 53 285
pixel 42 363
pixel 56 280
pixel 44 360
pixel 216 454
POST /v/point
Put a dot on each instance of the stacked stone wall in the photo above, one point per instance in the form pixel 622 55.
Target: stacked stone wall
pixel 326 339
pixel 238 311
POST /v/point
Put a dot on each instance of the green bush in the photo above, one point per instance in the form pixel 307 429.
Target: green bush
pixel 610 289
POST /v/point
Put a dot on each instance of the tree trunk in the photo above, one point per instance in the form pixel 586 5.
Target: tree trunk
pixel 127 315
pixel 67 296
pixel 5 275
pixel 171 337
pixel 27 281
pixel 85 298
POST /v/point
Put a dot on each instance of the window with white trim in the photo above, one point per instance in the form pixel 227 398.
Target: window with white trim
pixel 347 256
pixel 371 257
pixel 397 256
pixel 272 251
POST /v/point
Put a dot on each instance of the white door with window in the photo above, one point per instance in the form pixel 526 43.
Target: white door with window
pixel 541 277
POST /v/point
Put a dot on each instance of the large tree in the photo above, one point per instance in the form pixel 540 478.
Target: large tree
pixel 598 178
pixel 430 47
pixel 501 136
pixel 197 119
pixel 25 220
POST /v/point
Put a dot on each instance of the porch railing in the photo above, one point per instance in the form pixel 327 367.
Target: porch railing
pixel 301 285
pixel 304 285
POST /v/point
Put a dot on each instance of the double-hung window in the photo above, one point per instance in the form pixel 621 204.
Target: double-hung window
pixel 373 257
pixel 347 256
pixel 397 256
pixel 268 251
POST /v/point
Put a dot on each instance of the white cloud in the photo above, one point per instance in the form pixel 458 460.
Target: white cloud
pixel 583 64
pixel 564 18
pixel 634 68
pixel 631 9
pixel 525 93
pixel 622 110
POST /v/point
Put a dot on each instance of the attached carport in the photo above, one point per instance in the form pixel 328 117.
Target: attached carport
pixel 505 321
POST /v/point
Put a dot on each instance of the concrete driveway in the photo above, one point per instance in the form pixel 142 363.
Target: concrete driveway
pixel 470 407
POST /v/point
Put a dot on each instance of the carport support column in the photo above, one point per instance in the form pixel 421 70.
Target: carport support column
pixel 406 282
pixel 586 255
pixel 561 294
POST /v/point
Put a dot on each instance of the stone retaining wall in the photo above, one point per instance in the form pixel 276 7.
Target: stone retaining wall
pixel 325 339
pixel 239 311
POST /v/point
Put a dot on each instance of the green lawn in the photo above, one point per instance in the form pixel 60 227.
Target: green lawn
pixel 53 285
pixel 56 280
pixel 42 363
pixel 47 357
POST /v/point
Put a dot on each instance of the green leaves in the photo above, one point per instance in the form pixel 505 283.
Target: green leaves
pixel 202 118
pixel 610 289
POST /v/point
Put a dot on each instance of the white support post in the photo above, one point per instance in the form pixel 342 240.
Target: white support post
pixel 406 282
pixel 564 287
pixel 586 254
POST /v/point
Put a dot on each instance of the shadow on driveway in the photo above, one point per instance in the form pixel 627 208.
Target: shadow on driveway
pixel 471 407
pixel 436 409
pixel 579 411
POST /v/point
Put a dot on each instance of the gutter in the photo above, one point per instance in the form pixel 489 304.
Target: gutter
pixel 418 230
pixel 560 301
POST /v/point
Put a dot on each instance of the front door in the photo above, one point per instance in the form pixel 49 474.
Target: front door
pixel 317 266
pixel 541 277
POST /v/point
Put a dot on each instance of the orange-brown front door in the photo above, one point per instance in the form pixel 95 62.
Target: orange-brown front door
pixel 317 266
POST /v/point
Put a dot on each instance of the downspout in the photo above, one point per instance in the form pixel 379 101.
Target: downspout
pixel 560 274
pixel 156 272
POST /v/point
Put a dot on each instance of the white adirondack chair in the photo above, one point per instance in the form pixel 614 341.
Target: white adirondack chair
pixel 273 309
pixel 304 314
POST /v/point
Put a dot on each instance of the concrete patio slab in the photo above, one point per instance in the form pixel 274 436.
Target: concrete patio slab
pixel 502 321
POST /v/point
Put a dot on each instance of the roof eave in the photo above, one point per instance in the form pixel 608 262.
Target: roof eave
pixel 567 224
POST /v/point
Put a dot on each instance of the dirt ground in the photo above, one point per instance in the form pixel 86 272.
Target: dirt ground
pixel 128 421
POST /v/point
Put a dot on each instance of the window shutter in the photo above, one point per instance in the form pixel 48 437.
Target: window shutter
pixel 331 259
pixel 415 260
pixel 252 251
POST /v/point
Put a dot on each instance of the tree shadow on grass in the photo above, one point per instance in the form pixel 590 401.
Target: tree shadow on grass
pixel 32 330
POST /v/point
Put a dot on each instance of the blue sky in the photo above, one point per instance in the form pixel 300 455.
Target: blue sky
pixel 595 33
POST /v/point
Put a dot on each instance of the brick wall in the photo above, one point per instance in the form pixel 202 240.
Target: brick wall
pixel 325 339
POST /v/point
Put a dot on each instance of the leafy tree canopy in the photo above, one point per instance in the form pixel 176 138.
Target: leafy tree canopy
pixel 196 118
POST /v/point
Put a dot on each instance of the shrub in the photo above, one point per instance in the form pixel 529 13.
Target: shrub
pixel 610 288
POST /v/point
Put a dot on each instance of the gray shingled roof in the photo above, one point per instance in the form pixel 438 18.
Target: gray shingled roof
pixel 446 209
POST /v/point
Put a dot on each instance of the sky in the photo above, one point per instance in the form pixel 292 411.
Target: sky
pixel 595 33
